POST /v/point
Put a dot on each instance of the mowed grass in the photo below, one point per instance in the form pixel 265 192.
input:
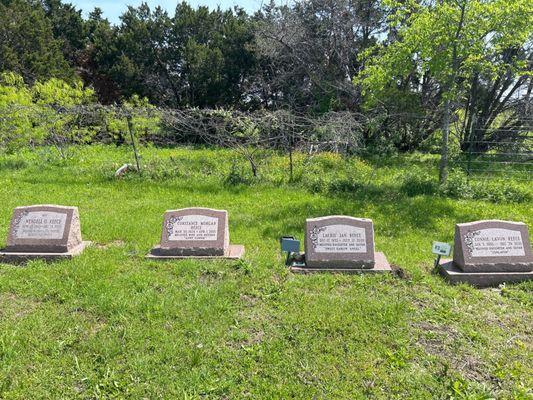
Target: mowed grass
pixel 111 324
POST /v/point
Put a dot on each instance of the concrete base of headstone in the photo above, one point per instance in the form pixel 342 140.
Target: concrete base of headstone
pixel 234 252
pixel 381 266
pixel 14 257
pixel 480 279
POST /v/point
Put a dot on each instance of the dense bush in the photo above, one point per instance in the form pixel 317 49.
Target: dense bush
pixel 419 182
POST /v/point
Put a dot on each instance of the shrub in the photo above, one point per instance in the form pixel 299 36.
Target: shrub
pixel 457 186
pixel 419 182
pixel 499 192
pixel 238 175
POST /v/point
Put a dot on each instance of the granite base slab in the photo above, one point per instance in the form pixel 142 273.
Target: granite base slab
pixel 480 279
pixel 381 266
pixel 13 257
pixel 234 252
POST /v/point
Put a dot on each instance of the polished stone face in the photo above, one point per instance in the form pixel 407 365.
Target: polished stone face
pixel 41 225
pixel 44 228
pixel 192 228
pixel 493 246
pixel 339 242
pixel 195 231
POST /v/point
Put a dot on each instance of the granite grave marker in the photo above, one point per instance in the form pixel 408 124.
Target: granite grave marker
pixel 43 231
pixel 196 232
pixel 342 243
pixel 490 252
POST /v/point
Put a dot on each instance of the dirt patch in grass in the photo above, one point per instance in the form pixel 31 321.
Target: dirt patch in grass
pixel 443 342
pixel 249 300
pixel 210 277
pixel 400 272
pixel 250 321
pixel 96 322
pixel 15 306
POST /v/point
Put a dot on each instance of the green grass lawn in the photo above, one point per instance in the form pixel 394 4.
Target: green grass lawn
pixel 111 324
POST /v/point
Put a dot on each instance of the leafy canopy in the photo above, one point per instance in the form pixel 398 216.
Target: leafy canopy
pixel 449 41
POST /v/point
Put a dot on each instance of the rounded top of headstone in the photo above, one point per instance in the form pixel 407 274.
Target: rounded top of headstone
pixel 196 209
pixel 47 205
pixel 346 217
pixel 490 221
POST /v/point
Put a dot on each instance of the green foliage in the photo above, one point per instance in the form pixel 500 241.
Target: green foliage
pixel 450 41
pixel 331 173
pixel 238 175
pixel 62 114
pixel 17 113
pixel 145 119
pixel 471 55
pixel 37 114
pixel 459 186
pixel 28 46
pixel 198 57
pixel 68 28
pixel 419 182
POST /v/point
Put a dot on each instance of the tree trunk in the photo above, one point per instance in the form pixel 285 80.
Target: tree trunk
pixel 443 169
pixel 133 145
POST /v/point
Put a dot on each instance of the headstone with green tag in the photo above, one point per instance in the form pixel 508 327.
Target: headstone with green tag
pixel 490 252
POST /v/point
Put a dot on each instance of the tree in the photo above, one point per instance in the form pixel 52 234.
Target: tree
pixel 451 44
pixel 17 113
pixel 97 60
pixel 68 27
pixel 27 43
pixel 55 102
pixel 43 113
pixel 197 57
pixel 308 52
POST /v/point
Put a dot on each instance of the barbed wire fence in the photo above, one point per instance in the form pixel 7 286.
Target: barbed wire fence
pixel 503 153
pixel 509 155
pixel 247 133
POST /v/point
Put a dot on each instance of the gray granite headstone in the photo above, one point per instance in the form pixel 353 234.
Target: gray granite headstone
pixel 492 246
pixel 195 232
pixel 44 229
pixel 339 242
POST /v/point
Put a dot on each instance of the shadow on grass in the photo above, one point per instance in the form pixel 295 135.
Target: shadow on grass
pixel 394 213
pixel 12 165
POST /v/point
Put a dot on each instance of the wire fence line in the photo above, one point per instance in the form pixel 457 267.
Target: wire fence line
pixel 334 131
pixel 248 132
pixel 511 157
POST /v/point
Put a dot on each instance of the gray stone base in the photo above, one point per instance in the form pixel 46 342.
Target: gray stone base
pixel 381 266
pixel 480 279
pixel 13 257
pixel 498 267
pixel 234 252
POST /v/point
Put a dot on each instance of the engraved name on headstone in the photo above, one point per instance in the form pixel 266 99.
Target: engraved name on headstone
pixel 44 229
pixel 192 227
pixel 339 239
pixel 494 242
pixel 339 242
pixel 492 246
pixel 41 225
pixel 195 232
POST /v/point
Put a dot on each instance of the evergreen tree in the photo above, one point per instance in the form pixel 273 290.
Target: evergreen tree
pixel 28 46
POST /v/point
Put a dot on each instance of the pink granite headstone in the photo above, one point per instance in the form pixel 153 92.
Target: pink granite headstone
pixel 339 242
pixel 44 229
pixel 492 246
pixel 194 232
